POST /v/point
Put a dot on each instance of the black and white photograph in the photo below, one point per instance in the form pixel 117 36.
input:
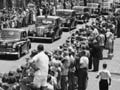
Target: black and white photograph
pixel 59 44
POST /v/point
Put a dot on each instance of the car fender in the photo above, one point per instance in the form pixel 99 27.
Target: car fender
pixel 18 44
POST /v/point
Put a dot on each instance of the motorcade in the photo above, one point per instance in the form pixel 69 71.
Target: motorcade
pixel 106 8
pixel 93 9
pixel 82 14
pixel 47 27
pixel 14 41
pixel 68 18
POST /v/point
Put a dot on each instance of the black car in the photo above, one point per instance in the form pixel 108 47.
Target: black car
pixel 14 42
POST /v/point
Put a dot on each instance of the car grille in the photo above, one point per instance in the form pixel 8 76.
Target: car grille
pixel 5 49
pixel 40 32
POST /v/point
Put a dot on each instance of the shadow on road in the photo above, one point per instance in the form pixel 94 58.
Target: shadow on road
pixel 42 41
pixel 8 58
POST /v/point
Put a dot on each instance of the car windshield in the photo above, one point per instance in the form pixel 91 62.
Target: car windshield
pixel 9 34
pixel 63 14
pixel 45 22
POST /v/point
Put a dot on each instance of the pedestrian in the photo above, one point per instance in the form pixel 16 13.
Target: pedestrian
pixel 83 71
pixel 105 78
pixel 109 43
pixel 96 54
pixel 101 41
pixel 71 72
pixel 41 61
pixel 118 26
pixel 64 74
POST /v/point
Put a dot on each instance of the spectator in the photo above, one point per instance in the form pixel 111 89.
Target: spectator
pixel 83 72
pixel 105 78
pixel 41 62
pixel 96 55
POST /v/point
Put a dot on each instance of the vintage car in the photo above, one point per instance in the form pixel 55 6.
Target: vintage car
pixel 48 28
pixel 106 11
pixel 14 42
pixel 82 14
pixel 67 18
pixel 93 9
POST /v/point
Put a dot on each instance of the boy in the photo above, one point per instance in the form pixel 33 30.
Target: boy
pixel 105 78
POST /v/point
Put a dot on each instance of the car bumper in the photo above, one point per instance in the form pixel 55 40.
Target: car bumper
pixel 80 21
pixel 8 53
pixel 48 38
pixel 64 27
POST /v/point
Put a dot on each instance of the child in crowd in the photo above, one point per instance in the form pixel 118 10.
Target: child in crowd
pixel 105 78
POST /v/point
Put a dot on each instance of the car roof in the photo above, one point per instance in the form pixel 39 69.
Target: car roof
pixel 65 10
pixel 14 29
pixel 49 17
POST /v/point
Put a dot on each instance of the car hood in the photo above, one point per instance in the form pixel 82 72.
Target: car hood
pixel 9 41
pixel 44 26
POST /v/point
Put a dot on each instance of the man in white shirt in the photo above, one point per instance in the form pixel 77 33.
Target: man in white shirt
pixel 83 71
pixel 41 61
pixel 105 78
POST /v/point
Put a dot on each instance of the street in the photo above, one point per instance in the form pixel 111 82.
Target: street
pixel 113 65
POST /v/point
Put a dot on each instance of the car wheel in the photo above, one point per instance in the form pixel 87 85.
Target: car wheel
pixel 52 40
pixel 19 54
pixel 27 51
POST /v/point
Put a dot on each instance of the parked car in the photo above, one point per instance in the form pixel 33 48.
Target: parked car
pixel 47 27
pixel 14 42
pixel 68 17
pixel 82 14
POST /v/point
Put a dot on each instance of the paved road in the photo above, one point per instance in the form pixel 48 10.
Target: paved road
pixel 7 65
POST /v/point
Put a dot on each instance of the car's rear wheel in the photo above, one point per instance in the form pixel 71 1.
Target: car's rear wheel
pixel 28 47
pixel 52 40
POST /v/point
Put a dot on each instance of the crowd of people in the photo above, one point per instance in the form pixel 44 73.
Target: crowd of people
pixel 16 17
pixel 66 68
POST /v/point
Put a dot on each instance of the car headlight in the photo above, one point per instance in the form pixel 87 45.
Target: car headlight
pixel 4 44
pixel 9 44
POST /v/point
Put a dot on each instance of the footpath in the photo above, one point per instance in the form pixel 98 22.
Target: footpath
pixel 113 67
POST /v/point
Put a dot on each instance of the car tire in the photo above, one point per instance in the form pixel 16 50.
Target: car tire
pixel 52 40
pixel 19 54
pixel 28 47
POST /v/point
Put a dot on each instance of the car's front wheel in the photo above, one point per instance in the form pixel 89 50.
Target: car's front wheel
pixel 19 54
